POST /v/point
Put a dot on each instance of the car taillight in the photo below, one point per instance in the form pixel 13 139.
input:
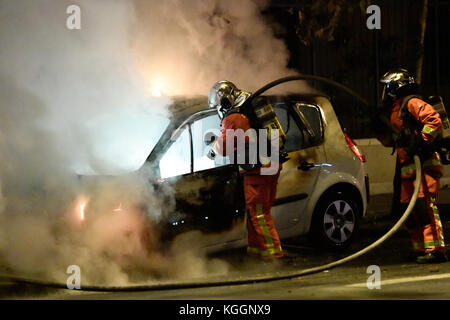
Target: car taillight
pixel 354 147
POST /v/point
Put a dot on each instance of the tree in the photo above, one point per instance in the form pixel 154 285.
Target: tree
pixel 423 27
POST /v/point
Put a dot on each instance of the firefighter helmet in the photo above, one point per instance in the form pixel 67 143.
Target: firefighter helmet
pixel 397 83
pixel 224 95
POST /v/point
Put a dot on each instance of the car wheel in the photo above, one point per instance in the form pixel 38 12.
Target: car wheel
pixel 335 221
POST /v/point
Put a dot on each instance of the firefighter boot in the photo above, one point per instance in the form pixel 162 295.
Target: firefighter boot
pixel 432 257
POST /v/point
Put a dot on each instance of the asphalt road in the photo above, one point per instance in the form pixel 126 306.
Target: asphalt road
pixel 400 277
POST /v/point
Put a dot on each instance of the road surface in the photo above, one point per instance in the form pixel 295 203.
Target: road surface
pixel 400 277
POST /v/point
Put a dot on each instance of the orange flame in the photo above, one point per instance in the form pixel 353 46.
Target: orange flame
pixel 156 92
pixel 82 207
pixel 158 88
pixel 118 209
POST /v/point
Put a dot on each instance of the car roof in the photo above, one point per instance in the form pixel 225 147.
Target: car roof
pixel 183 107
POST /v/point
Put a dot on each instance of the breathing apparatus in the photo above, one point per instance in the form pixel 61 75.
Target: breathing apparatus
pixel 443 139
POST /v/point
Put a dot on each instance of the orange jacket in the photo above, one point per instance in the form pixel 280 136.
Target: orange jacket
pixel 233 121
pixel 236 121
pixel 423 113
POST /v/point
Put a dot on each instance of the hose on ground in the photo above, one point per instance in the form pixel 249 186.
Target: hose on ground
pixel 288 275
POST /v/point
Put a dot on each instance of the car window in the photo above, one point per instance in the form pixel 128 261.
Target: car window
pixel 294 135
pixel 200 129
pixel 177 159
pixel 314 118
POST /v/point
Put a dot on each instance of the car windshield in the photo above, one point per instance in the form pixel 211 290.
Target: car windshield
pixel 122 142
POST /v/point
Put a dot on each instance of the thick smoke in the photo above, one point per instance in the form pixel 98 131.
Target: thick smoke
pixel 82 101
pixel 189 45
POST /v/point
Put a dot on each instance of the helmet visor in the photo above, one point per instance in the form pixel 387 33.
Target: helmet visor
pixel 386 95
pixel 383 94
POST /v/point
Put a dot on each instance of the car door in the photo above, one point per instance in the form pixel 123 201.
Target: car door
pixel 302 124
pixel 208 190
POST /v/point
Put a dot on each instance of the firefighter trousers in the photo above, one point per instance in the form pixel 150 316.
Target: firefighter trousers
pixel 260 192
pixel 424 224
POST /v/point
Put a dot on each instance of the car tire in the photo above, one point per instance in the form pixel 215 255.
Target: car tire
pixel 335 222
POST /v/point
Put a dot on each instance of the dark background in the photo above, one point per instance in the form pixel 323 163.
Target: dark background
pixel 330 38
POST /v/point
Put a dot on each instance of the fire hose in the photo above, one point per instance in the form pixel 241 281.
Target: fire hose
pixel 255 279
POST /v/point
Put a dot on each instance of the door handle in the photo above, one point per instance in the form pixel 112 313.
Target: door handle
pixel 305 166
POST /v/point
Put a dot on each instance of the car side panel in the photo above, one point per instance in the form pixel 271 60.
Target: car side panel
pixel 346 165
pixel 340 165
pixel 294 182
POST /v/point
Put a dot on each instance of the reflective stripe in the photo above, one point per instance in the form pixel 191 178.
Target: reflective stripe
pixel 428 130
pixel 432 162
pixel 408 169
pixel 427 244
pixel 432 244
pixel 263 225
pixel 264 252
pixel 438 222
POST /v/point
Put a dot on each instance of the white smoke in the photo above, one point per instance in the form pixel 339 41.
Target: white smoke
pixel 93 97
pixel 187 46
pixel 82 100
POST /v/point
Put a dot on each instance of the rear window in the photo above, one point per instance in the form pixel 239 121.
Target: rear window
pixel 314 118
pixel 294 135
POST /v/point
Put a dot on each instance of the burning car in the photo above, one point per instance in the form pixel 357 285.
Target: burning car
pixel 322 190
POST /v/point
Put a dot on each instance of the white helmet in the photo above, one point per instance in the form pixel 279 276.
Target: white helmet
pixel 224 96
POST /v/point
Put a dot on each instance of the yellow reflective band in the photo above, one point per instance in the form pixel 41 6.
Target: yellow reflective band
pixel 406 170
pixel 266 252
pixel 263 225
pixel 432 162
pixel 428 244
pixel 428 130
pixel 438 221
pixel 432 244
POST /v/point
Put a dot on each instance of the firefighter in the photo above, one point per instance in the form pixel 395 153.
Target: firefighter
pixel 414 125
pixel 260 190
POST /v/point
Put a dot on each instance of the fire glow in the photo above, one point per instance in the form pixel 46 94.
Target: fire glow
pixel 82 207
pixel 156 92
pixel 158 88
pixel 119 208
